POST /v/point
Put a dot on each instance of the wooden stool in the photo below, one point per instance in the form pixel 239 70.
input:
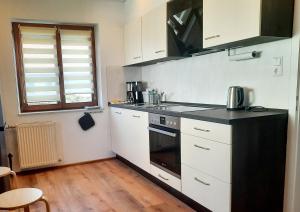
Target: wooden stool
pixel 5 171
pixel 22 198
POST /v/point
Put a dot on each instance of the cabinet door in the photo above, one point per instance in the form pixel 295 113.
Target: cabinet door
pixel 228 21
pixel 208 191
pixel 130 136
pixel 133 42
pixel 138 139
pixel 154 33
pixel 208 156
pixel 116 129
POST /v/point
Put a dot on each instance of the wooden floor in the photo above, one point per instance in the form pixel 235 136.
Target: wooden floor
pixel 101 186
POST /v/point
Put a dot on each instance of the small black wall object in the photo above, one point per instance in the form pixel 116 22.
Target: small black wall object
pixel 86 122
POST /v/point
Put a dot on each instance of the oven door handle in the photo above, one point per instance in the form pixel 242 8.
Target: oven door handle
pixel 162 132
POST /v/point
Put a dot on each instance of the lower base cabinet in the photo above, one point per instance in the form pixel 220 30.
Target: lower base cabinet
pixel 224 168
pixel 130 137
pixel 166 178
pixel 206 163
pixel 235 168
pixel 138 139
pixel 206 190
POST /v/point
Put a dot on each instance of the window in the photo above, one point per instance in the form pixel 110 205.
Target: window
pixel 56 66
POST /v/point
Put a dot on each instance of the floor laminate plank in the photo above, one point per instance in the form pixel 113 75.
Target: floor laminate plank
pixel 100 186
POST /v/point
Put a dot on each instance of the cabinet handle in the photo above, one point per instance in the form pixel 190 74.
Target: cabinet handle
pixel 137 57
pixel 162 177
pixel 212 37
pixel 201 147
pixel 163 164
pixel 159 51
pixel 135 116
pixel 162 132
pixel 118 113
pixel 202 130
pixel 200 181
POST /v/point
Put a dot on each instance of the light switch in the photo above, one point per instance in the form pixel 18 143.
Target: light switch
pixel 277 66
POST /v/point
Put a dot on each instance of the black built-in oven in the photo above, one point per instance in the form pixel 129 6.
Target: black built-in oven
pixel 164 135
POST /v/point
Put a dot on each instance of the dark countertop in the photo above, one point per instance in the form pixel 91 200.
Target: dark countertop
pixel 218 114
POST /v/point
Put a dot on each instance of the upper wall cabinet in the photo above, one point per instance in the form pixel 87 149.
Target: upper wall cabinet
pixel 182 28
pixel 133 42
pixel 154 34
pixel 237 23
pixel 170 31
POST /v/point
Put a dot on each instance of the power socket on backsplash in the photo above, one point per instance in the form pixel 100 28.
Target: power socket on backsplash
pixel 277 71
pixel 277 66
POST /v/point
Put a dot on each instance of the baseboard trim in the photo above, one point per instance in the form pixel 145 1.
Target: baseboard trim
pixel 38 170
pixel 194 205
pixel 87 162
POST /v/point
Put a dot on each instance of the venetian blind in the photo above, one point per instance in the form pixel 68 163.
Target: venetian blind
pixel 41 71
pixel 77 65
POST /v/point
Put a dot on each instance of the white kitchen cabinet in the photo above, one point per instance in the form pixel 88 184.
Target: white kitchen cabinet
pixel 118 133
pixel 209 130
pixel 154 33
pixel 167 178
pixel 210 157
pixel 138 139
pixel 206 152
pixel 130 138
pixel 228 21
pixel 206 190
pixel 133 42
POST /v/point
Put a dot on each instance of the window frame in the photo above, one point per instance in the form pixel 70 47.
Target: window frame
pixel 62 105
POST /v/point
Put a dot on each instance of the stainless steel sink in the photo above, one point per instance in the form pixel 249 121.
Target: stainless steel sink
pixel 151 106
pixel 171 107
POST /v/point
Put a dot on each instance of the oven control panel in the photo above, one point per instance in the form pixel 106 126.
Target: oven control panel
pixel 165 121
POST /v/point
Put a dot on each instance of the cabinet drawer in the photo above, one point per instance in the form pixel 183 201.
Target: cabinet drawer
pixel 138 115
pixel 209 130
pixel 166 177
pixel 207 191
pixel 208 156
pixel 116 111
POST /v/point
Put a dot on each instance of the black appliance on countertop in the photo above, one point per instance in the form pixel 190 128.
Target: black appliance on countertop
pixel 129 92
pixel 134 92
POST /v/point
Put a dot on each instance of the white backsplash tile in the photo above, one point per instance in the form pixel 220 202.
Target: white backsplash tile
pixel 206 78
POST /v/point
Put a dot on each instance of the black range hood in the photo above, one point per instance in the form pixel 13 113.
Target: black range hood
pixel 184 31
pixel 185 28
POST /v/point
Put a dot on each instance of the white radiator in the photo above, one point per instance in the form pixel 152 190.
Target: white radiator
pixel 37 145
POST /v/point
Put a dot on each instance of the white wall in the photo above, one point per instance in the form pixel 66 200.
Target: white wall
pixel 205 79
pixel 108 16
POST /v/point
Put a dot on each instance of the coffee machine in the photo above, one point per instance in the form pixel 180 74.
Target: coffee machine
pixel 130 92
pixel 135 92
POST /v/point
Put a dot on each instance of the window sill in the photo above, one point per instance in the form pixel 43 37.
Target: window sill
pixel 89 110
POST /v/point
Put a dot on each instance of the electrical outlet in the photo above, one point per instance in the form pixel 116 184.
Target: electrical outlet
pixel 277 61
pixel 277 71
pixel 277 66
